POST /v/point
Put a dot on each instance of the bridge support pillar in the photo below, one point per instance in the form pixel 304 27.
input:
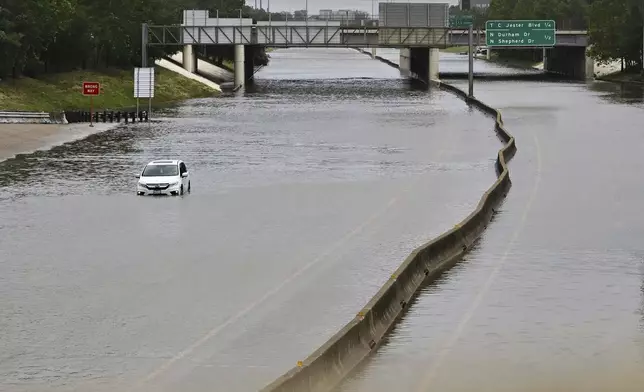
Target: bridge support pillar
pixel 589 71
pixel 405 61
pixel 433 69
pixel 249 64
pixel 570 62
pixel 189 59
pixel 239 66
pixel 422 63
pixel 373 52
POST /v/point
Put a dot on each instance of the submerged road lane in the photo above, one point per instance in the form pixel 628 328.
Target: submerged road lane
pixel 552 299
pixel 307 193
pixel 457 63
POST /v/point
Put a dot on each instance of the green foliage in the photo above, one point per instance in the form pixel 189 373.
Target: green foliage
pixel 568 14
pixel 616 31
pixel 615 26
pixel 44 36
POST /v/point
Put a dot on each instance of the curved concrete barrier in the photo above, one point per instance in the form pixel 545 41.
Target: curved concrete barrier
pixel 330 363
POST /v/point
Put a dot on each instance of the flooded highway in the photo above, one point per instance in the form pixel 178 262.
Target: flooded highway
pixel 457 63
pixel 552 298
pixel 306 193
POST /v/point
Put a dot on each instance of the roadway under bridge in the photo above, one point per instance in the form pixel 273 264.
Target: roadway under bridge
pixel 419 45
pixel 423 63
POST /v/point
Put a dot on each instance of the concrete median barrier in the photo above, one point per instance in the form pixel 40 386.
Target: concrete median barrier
pixel 330 363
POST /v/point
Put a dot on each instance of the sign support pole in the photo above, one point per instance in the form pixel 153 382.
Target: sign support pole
pixel 91 110
pixel 144 62
pixel 471 61
pixel 150 101
pixel 137 80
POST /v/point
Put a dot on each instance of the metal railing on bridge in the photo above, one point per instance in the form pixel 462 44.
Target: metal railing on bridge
pixel 199 28
pixel 281 34
pixel 298 34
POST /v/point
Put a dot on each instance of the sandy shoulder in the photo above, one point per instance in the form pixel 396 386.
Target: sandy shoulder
pixel 26 138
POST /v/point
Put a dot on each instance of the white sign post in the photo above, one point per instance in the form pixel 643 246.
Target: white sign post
pixel 144 87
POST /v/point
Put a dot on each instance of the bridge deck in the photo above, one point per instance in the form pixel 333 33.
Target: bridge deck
pixel 316 35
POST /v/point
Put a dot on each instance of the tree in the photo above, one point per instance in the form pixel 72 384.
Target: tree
pixel 616 31
pixel 568 14
pixel 38 36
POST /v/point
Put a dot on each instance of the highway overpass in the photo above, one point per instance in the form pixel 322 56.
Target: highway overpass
pixel 318 34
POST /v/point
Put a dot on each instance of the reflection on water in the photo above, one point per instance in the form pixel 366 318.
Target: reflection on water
pixel 622 93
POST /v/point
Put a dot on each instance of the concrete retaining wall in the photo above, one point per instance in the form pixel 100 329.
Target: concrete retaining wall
pixel 330 363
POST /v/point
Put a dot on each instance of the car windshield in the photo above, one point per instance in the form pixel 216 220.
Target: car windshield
pixel 160 170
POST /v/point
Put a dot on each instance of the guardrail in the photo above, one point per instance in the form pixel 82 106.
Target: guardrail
pixel 77 116
pixel 329 364
pixel 106 116
pixel 25 117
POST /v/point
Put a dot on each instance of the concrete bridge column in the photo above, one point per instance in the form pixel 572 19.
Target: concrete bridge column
pixel 571 62
pixel 189 59
pixel 589 72
pixel 373 52
pixel 239 65
pixel 434 61
pixel 405 61
pixel 423 64
pixel 249 63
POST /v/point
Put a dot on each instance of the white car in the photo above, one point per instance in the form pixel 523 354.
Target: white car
pixel 164 177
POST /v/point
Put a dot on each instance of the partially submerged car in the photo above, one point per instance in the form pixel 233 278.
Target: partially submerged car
pixel 164 177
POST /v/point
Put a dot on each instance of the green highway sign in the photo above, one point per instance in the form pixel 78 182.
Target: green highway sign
pixel 460 21
pixel 520 33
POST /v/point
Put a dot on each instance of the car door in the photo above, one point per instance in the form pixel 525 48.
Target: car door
pixel 184 181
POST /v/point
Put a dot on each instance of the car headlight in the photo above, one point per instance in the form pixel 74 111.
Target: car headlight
pixel 174 183
pixel 141 184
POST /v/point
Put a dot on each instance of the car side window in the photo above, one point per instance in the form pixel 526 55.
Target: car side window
pixel 183 168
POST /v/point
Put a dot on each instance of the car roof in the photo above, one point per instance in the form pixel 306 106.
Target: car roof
pixel 165 162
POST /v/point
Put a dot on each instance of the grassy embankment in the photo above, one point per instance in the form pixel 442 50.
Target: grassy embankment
pixel 63 91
